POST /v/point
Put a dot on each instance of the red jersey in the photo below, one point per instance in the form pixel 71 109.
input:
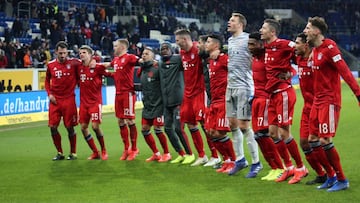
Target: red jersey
pixel 328 66
pixel 90 84
pixel 62 78
pixel 277 60
pixel 124 72
pixel 259 77
pixel 193 72
pixel 218 78
pixel 306 79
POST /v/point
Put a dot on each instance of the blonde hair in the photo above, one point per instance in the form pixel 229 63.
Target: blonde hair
pixel 124 42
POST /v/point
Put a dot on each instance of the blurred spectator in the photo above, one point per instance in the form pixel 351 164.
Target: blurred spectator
pixel 96 36
pixel 128 7
pixel 35 59
pixel 36 43
pixel 75 52
pixel 143 25
pixel 97 14
pixel 25 26
pixel 133 49
pixel 27 59
pixel 3 59
pixel 71 14
pixel 17 27
pixel 11 50
pixel 110 12
pixel 55 33
pixel 46 49
pixel 44 26
pixel 106 43
pixel 7 34
pixel 41 11
pixel 42 58
pixel 87 33
pixel 97 56
pixel 71 38
pixel 2 5
pixel 14 4
pixel 120 29
pixel 102 13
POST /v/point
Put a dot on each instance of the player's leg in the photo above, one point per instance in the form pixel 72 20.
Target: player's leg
pixel 232 112
pixel 96 119
pixel 124 131
pixel 193 111
pixel 169 119
pixel 328 122
pixel 70 116
pixel 158 128
pixel 84 118
pixel 149 139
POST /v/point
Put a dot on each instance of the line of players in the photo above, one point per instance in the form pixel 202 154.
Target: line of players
pixel 248 85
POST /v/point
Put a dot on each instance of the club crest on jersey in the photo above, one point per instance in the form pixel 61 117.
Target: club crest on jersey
pixel 68 66
pixel 122 60
pixel 319 57
pixel 309 63
pixel 150 74
pixel 192 56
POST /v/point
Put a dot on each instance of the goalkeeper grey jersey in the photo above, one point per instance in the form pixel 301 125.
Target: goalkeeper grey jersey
pixel 239 66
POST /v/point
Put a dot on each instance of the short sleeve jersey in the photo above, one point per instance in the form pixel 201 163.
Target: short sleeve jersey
pixel 90 84
pixel 62 78
pixel 218 71
pixel 124 72
pixel 259 76
pixel 193 72
pixel 239 67
pixel 278 55
pixel 328 66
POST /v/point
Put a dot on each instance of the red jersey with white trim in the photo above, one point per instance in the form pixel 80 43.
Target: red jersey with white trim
pixel 277 60
pixel 124 72
pixel 193 72
pixel 218 71
pixel 306 79
pixel 259 77
pixel 90 84
pixel 328 66
pixel 62 78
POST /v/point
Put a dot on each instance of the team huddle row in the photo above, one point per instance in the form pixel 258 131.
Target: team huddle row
pixel 246 91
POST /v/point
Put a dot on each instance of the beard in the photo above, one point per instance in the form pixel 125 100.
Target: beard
pixel 203 54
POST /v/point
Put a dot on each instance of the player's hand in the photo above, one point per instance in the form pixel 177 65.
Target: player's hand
pixel 285 75
pixel 92 63
pixel 250 100
pixel 155 63
pixel 52 99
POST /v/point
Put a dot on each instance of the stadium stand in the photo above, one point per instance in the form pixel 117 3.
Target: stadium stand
pixel 152 22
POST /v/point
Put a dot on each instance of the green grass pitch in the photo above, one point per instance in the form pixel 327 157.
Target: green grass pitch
pixel 29 175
